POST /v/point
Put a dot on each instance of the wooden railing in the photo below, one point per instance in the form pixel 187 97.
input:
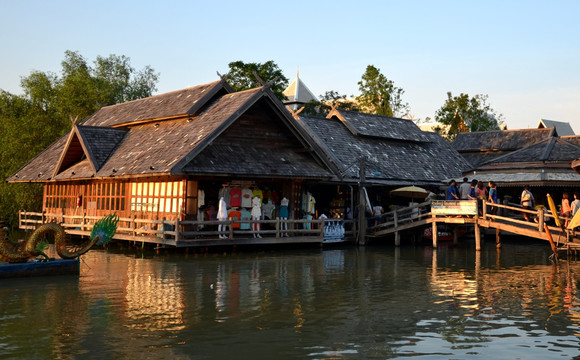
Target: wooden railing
pixel 180 233
pixel 508 218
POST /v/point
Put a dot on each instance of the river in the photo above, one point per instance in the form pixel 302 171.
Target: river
pixel 331 303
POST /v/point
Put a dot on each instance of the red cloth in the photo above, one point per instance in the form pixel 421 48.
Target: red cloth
pixel 236 197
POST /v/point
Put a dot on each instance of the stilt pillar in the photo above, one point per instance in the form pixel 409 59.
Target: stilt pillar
pixel 434 231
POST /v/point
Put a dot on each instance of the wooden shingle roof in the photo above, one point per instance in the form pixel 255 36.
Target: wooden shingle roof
pixel 500 140
pixel 169 105
pixel 550 150
pixel 362 124
pixel 169 145
pixel 562 128
pixel 389 161
pixel 543 163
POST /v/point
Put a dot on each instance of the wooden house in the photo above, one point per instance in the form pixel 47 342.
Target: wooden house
pixel 163 163
pixel 165 156
pixel 515 158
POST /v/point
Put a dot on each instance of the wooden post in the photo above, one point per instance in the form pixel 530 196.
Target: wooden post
pixel 177 231
pixel 455 235
pixel 162 235
pixel 231 228
pixel 278 235
pixel 484 209
pixel 477 237
pixel 540 220
pixel 551 240
pixel 397 234
pixel 434 230
pixel 362 225
pixel 497 239
pixel 133 225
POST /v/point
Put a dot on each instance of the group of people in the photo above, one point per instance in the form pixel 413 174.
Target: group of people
pixel 567 209
pixel 474 190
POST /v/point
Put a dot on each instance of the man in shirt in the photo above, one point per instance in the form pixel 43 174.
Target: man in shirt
pixel 452 193
pixel 464 189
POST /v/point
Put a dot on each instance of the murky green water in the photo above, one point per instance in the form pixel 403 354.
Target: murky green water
pixel 337 303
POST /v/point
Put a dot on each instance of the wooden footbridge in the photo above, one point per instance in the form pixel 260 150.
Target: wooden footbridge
pixel 496 218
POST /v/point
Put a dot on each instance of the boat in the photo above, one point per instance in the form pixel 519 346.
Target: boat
pixel 40 268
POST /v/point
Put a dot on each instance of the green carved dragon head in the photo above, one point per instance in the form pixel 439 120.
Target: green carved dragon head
pixel 104 229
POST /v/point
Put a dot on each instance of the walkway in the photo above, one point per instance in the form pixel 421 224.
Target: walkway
pixel 509 219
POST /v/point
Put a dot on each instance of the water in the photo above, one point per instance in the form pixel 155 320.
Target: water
pixel 339 303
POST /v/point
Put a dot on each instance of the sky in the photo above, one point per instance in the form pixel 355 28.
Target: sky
pixel 524 55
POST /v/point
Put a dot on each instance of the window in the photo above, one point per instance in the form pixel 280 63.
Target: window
pixel 157 197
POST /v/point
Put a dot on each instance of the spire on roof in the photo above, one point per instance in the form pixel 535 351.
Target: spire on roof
pixel 297 93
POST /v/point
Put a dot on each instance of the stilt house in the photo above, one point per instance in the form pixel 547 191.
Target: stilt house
pixel 164 163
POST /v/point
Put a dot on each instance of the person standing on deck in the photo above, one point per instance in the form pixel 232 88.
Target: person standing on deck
pixel 464 189
pixel 527 201
pixel 452 193
pixel 566 209
pixel 472 195
pixel 493 197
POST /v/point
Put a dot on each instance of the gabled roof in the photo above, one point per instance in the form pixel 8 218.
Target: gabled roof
pixel 388 161
pixel 500 140
pixel 169 105
pixel 543 163
pixel 562 128
pixel 552 150
pixel 169 145
pixel 361 124
pixel 94 143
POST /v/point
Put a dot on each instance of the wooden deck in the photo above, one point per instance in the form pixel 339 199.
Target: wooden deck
pixel 175 233
pixel 509 220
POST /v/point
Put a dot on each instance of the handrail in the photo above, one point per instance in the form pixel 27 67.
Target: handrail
pixel 401 218
pixel 175 230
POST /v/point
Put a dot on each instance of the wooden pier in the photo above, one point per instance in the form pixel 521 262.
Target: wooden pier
pixel 493 217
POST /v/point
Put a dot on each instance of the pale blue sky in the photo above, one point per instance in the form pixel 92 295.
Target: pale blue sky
pixel 525 55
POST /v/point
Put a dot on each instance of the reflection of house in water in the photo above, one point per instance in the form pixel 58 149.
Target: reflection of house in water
pixel 491 290
pixel 153 298
pixel 151 292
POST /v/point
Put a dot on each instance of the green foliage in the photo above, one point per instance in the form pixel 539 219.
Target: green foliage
pixel 464 114
pixel 241 76
pixel 29 123
pixel 327 101
pixel 379 95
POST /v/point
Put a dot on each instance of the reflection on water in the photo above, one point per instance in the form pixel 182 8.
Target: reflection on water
pixel 338 303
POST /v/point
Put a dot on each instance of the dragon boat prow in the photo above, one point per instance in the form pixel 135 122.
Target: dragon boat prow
pixel 40 268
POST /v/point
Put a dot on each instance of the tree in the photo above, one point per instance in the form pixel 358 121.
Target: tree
pixel 241 76
pixel 327 101
pixel 32 121
pixel 464 114
pixel 379 95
